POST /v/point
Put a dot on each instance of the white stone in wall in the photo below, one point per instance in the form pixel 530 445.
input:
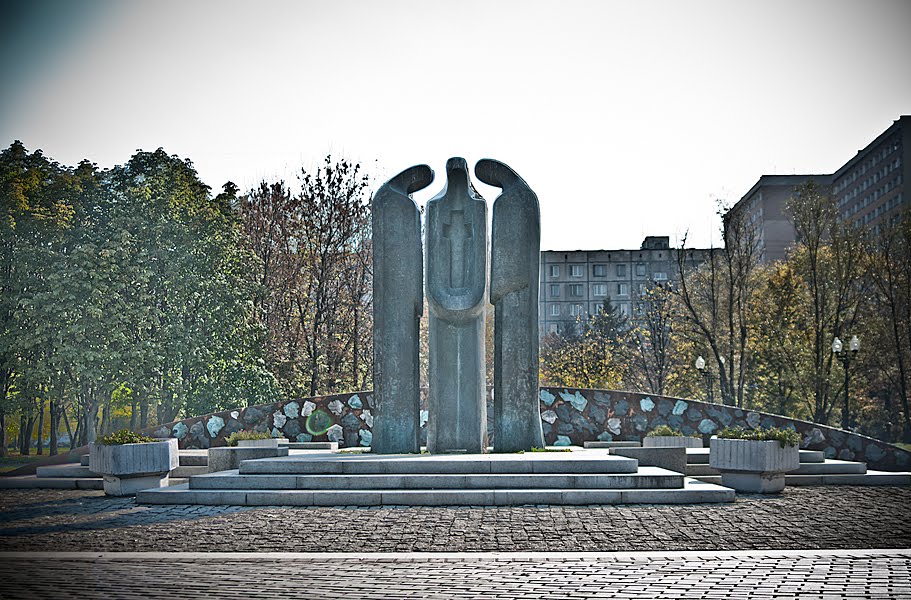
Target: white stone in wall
pixel 336 407
pixel 278 419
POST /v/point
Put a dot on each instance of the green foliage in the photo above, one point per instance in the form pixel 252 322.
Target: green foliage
pixel 784 437
pixel 124 436
pixel 237 436
pixel 663 430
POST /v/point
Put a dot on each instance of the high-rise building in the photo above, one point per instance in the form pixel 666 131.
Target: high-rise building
pixel 870 188
pixel 869 191
pixel 575 283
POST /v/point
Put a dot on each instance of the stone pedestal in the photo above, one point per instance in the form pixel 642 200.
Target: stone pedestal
pixel 514 259
pixel 128 486
pixel 398 303
pixel 455 287
pixel 753 466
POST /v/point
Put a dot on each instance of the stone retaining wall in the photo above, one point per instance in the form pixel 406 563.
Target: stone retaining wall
pixel 569 416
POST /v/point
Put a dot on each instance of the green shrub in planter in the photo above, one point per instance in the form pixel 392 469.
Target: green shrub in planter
pixel 663 430
pixel 124 436
pixel 784 437
pixel 665 436
pixel 237 436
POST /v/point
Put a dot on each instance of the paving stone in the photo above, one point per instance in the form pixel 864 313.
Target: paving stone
pixel 798 518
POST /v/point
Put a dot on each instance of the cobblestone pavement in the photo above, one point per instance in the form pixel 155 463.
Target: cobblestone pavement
pixel 799 518
pixel 820 574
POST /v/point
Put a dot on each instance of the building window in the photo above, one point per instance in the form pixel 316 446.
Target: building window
pixel 575 290
pixel 555 310
pixel 554 270
pixel 599 289
pixel 624 310
pixel 555 290
pixel 622 289
pixel 621 270
pixel 599 271
pixel 552 328
pixel 577 270
pixel 642 289
pixel 640 270
pixel 659 276
pixel 575 310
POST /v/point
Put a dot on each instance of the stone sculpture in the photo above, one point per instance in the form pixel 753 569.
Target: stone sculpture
pixel 398 303
pixel 514 260
pixel 456 285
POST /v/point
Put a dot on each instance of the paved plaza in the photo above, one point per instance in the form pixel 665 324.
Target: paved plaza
pixel 808 542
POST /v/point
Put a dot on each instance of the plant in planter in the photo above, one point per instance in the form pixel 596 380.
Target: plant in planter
pixel 665 436
pixel 251 439
pixel 755 460
pixel 241 446
pixel 130 462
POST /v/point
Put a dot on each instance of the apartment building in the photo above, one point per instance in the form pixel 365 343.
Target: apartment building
pixel 575 283
pixel 868 188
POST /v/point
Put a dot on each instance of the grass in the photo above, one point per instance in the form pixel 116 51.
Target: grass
pixel 903 446
pixel 16 460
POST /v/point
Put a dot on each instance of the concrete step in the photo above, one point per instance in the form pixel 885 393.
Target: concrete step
pixel 647 477
pixel 599 444
pixel 67 470
pixel 332 446
pixel 692 492
pixel 831 467
pixel 190 471
pixel 699 470
pixel 700 456
pixel 52 483
pixel 194 458
pixel 868 478
pixel 464 464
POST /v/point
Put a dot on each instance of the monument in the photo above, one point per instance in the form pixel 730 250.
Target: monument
pixel 398 302
pixel 514 259
pixel 456 290
pixel 456 285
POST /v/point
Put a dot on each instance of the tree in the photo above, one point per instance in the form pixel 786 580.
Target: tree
pixel 314 248
pixel 828 259
pixel 716 296
pixel 653 348
pixel 890 272
pixel 588 356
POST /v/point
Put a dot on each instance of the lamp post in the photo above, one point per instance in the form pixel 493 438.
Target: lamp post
pixel 706 375
pixel 846 358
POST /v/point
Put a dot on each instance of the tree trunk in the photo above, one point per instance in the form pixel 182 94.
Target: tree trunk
pixel 54 410
pixel 133 414
pixel 66 423
pixel 40 448
pixel 3 451
pixel 26 426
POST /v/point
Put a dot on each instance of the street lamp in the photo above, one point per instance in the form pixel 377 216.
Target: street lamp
pixel 707 375
pixel 846 358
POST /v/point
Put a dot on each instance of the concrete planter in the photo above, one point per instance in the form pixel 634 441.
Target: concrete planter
pixel 128 468
pixel 753 466
pixel 226 458
pixel 671 441
pixel 265 443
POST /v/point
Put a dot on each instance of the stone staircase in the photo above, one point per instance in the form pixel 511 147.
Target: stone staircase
pixel 327 479
pixel 815 469
pixel 78 476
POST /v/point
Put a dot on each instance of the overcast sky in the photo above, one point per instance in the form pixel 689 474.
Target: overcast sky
pixel 627 118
